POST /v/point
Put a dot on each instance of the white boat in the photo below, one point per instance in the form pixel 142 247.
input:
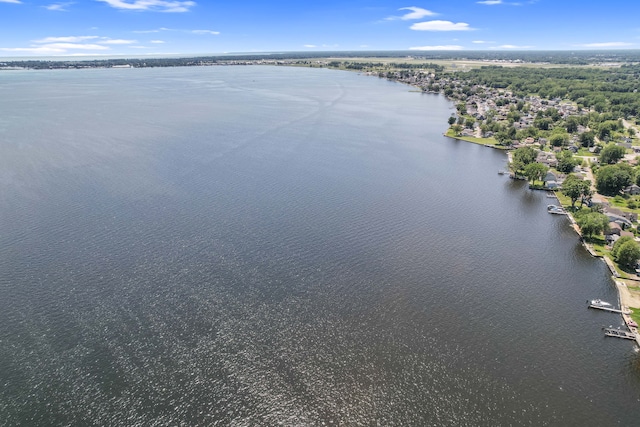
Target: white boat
pixel 553 209
pixel 600 303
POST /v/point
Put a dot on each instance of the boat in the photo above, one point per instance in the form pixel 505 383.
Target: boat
pixel 599 303
pixel 558 210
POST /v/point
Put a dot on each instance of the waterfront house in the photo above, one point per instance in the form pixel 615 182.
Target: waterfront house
pixel 550 176
pixel 620 220
pixel 614 228
pixel 551 185
pixel 627 234
pixel 548 159
pixel 632 217
pixel 632 190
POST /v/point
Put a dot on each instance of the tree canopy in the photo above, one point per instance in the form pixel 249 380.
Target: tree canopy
pixel 611 179
pixel 592 223
pixel 611 154
pixel 522 157
pixel 576 188
pixel 535 172
pixel 566 162
pixel 626 251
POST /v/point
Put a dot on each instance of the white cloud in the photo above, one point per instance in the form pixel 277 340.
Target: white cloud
pixel 151 5
pixel 444 47
pixel 215 33
pixel 69 44
pixel 606 44
pixel 512 46
pixel 58 7
pixel 41 49
pixel 117 41
pixel 70 39
pixel 310 46
pixel 416 13
pixel 162 29
pixel 76 46
pixel 157 41
pixel 495 2
pixel 11 1
pixel 152 31
pixel 441 26
pixel 481 42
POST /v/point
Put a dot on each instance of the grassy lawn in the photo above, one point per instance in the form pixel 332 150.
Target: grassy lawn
pixel 635 315
pixel 618 202
pixel 584 152
pixel 598 244
pixel 622 273
pixel 564 200
pixel 483 141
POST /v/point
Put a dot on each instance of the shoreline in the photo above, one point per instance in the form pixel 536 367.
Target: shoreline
pixel 627 299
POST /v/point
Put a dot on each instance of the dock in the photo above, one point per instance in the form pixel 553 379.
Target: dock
pixel 613 310
pixel 617 333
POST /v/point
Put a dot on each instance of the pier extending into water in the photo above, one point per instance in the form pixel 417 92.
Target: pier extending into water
pixel 613 310
pixel 617 333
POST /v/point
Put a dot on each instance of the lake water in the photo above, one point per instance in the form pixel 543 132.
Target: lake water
pixel 283 246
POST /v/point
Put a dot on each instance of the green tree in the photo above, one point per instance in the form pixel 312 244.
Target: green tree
pixel 566 161
pixel 587 194
pixel 611 179
pixel 456 129
pixel 469 122
pixel 521 157
pixel 611 154
pixel 571 124
pixel 535 172
pixel 542 123
pixel 502 137
pixel 592 223
pixel 553 113
pixel 525 155
pixel 626 251
pixel 575 188
pixel 559 139
pixel 587 139
pixel 452 120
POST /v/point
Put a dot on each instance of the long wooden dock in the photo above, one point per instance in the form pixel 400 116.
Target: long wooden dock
pixel 613 310
pixel 617 333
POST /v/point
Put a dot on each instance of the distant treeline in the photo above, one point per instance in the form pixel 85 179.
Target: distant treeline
pixel 604 89
pixel 552 57
pixel 379 65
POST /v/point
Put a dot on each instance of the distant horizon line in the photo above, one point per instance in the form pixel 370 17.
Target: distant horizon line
pixel 317 53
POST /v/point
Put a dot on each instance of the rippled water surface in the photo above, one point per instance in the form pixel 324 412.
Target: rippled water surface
pixel 283 246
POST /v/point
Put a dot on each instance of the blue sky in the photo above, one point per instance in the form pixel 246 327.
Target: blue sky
pixel 156 27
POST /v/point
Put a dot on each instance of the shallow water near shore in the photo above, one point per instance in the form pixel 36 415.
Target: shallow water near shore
pixel 283 246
